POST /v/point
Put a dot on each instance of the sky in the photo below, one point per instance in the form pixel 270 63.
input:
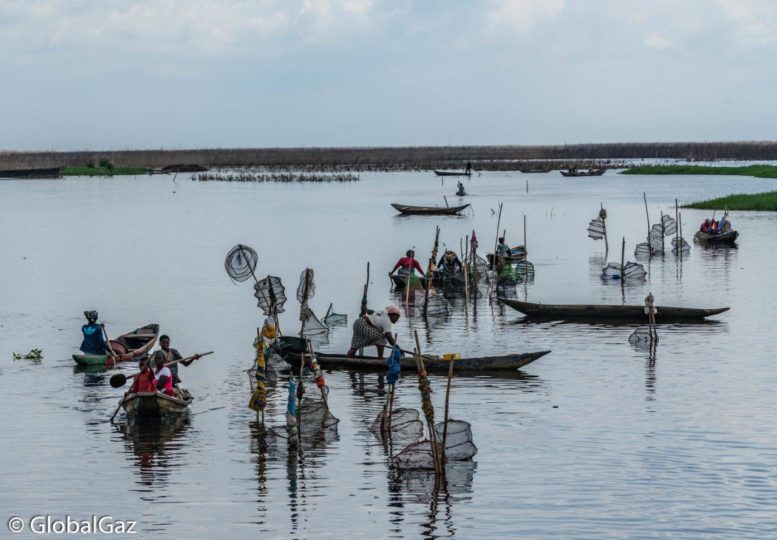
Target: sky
pixel 116 74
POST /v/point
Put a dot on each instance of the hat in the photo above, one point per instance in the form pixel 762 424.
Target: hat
pixel 392 310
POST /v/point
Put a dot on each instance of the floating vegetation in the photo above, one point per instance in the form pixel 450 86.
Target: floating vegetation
pixel 276 177
pixel 748 201
pixel 758 171
pixel 34 354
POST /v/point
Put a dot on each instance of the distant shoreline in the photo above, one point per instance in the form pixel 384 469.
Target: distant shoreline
pixel 494 158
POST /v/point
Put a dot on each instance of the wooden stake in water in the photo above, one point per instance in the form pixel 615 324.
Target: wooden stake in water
pixel 430 270
pixel 623 260
pixel 496 240
pixel 647 215
pixel 603 217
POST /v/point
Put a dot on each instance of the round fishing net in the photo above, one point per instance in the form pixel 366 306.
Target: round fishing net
pixel 524 270
pixel 241 262
pixel 656 238
pixel 458 440
pixel 336 319
pixel 641 338
pixel 642 251
pixel 596 229
pixel 631 271
pixel 404 428
pixel 314 418
pixel 311 325
pixel 680 245
pixel 271 295
pixel 417 455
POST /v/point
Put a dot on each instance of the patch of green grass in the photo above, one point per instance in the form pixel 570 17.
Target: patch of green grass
pixel 104 171
pixel 755 201
pixel 759 171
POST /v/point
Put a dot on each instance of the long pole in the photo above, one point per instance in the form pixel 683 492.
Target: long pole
pixel 647 215
pixel 603 215
pixel 429 417
pixel 430 270
pixel 271 306
pixel 623 259
pixel 447 401
pixel 496 240
pixel 525 254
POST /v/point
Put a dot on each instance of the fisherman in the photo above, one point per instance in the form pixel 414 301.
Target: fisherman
pixel 94 340
pixel 144 381
pixel 374 328
pixel 469 168
pixel 449 263
pixel 461 191
pixel 163 375
pixel 171 355
pixel 724 224
pixel 502 249
pixel 407 265
pixel 705 227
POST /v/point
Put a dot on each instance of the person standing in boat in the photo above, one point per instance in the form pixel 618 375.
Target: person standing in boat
pixel 449 263
pixel 94 339
pixel 168 354
pixel 407 265
pixel 468 170
pixel 374 328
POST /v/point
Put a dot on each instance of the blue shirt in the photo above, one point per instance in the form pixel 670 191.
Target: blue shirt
pixel 94 342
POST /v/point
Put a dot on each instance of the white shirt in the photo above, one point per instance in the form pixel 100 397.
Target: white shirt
pixel 381 321
pixel 165 371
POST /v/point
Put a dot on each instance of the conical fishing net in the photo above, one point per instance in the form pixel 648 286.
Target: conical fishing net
pixel 240 262
pixel 311 325
pixel 306 288
pixel 314 417
pixel 684 246
pixel 670 225
pixel 336 319
pixel 631 271
pixel 458 441
pixel 481 265
pixel 656 238
pixel 596 229
pixel 642 251
pixel 271 295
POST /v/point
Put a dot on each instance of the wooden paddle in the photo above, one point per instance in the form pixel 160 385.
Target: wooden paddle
pixel 112 356
pixel 119 380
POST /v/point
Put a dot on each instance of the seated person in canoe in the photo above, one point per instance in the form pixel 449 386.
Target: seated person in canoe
pixel 374 328
pixel 407 265
pixel 94 339
pixel 449 263
pixel 162 375
pixel 461 190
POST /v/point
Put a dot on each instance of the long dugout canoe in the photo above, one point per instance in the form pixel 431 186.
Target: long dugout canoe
pixel 506 362
pixel 609 312
pixel 428 210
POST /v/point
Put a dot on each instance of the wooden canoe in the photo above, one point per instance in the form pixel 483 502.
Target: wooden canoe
pixel 24 174
pixel 609 312
pixel 400 281
pixel 452 173
pixel 592 172
pixel 728 237
pixel 130 346
pixel 472 365
pixel 156 404
pixel 429 210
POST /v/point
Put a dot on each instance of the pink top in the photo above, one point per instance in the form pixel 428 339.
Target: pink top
pixel 409 263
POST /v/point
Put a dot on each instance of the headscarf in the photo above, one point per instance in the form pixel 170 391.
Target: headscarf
pixel 91 316
pixel 392 309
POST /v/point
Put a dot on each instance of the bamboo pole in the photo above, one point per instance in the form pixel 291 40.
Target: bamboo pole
pixel 431 267
pixel 647 215
pixel 496 240
pixel 447 401
pixel 430 422
pixel 603 215
pixel 623 260
pixel 525 254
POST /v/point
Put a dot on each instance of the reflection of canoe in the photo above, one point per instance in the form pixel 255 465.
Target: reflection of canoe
pixel 130 346
pixel 155 404
pixel 429 210
pixel 452 173
pixel 608 312
pixel 728 237
pixel 508 362
pixel 592 172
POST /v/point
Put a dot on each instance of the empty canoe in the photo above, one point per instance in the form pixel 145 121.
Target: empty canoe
pixel 506 362
pixel 429 210
pixel 609 312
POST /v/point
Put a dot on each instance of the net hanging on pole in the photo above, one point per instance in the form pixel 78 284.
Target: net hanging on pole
pixel 596 229
pixel 684 246
pixel 631 272
pixel 669 225
pixel 271 295
pixel 311 325
pixel 406 426
pixel 458 443
pixel 524 271
pixel 336 319
pixel 307 287
pixel 241 262
pixel 642 251
pixel 656 238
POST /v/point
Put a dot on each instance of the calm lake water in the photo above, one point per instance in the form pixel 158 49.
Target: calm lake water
pixel 595 439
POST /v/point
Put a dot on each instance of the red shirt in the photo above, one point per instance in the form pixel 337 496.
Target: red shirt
pixel 409 263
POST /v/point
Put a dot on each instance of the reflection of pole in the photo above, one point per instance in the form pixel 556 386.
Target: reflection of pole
pixel 623 261
pixel 647 215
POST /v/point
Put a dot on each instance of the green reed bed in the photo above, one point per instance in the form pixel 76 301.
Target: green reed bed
pixel 758 171
pixel 755 201
pixel 105 171
pixel 276 177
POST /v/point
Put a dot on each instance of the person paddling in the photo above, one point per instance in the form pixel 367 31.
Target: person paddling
pixel 374 328
pixel 94 340
pixel 169 354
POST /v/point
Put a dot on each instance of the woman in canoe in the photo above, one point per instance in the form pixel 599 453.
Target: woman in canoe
pixel 94 340
pixel 407 265
pixel 374 328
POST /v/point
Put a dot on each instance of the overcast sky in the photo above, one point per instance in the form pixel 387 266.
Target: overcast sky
pixel 177 74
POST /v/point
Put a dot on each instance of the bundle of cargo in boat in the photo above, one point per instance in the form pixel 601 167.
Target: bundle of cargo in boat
pixel 276 177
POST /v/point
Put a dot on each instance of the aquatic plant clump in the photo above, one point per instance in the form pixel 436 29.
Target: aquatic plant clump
pixel 758 171
pixel 754 201
pixel 276 177
pixel 34 354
